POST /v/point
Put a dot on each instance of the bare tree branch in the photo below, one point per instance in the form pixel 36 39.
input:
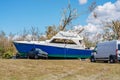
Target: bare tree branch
pixel 69 15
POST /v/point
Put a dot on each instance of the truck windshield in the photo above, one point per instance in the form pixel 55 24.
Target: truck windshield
pixel 95 49
pixel 118 46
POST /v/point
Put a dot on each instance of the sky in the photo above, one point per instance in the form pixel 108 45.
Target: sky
pixel 17 15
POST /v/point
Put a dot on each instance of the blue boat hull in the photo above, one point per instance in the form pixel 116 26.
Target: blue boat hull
pixel 56 52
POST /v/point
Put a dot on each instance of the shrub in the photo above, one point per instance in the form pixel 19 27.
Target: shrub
pixel 7 55
pixel 1 51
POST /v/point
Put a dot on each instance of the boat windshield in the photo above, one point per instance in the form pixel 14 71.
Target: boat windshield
pixel 63 41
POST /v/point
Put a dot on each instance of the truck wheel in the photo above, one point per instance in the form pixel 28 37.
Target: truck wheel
pixel 112 60
pixel 92 59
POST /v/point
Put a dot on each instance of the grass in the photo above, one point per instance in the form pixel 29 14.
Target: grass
pixel 21 69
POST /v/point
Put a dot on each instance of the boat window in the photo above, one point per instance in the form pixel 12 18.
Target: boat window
pixel 63 41
pixel 58 41
pixel 118 46
pixel 80 41
pixel 69 42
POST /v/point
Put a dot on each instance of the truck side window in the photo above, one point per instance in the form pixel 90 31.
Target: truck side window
pixel 118 46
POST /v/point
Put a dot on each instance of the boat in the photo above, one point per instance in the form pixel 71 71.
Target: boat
pixel 63 45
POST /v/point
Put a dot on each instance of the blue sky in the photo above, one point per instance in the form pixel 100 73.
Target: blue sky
pixel 15 15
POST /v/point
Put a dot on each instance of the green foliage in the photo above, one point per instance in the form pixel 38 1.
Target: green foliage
pixel 6 47
pixel 6 52
pixel 1 51
pixel 7 55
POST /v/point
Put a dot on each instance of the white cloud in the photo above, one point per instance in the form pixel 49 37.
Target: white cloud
pixel 82 1
pixel 89 28
pixel 105 13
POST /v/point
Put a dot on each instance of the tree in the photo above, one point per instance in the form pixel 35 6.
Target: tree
pixel 2 42
pixel 51 31
pixel 112 30
pixel 31 34
pixel 88 43
pixel 68 16
pixel 87 35
pixel 92 7
pixel 6 46
pixel 34 33
pixel 23 35
pixel 116 28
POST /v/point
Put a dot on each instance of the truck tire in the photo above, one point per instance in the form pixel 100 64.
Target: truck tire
pixel 92 59
pixel 112 59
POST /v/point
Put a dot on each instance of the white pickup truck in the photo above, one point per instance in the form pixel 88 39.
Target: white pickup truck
pixel 107 51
